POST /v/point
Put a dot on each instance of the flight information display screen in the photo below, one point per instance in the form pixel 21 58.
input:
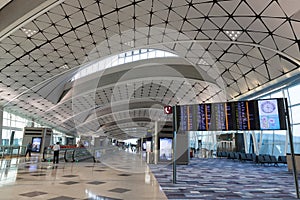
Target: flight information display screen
pixel 266 114
pixel 246 115
pixel 218 117
pixel 201 117
pixel 270 114
pixel 187 117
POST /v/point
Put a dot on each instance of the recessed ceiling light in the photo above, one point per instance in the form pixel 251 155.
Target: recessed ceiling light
pixel 233 34
pixel 29 32
pixel 130 43
pixel 64 66
pixel 22 89
pixel 202 62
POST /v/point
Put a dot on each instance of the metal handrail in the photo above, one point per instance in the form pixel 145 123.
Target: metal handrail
pixel 77 154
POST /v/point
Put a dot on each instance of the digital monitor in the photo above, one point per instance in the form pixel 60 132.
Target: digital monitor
pixel 144 146
pixel 36 144
pixel 268 114
pixel 218 117
pixel 148 146
pixel 201 117
pixel 246 115
pixel 165 152
pixel 187 120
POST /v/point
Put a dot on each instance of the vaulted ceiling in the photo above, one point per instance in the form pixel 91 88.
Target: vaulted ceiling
pixel 227 49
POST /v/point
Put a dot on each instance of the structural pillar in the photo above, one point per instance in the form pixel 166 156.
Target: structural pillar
pixel 156 142
pixel 245 135
pixel 1 123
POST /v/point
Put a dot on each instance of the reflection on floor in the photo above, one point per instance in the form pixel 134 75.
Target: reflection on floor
pixel 20 179
pixel 226 179
pixel 123 175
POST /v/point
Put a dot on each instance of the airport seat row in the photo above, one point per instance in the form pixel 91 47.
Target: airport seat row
pixel 270 159
pixel 258 159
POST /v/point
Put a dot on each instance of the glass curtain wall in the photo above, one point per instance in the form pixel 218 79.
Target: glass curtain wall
pixel 127 57
pixel 12 122
pixel 276 142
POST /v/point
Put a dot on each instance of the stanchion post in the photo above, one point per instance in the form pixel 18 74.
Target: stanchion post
pixel 174 142
pixel 292 147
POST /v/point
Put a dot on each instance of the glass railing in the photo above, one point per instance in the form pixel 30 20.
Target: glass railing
pixel 12 151
pixel 73 154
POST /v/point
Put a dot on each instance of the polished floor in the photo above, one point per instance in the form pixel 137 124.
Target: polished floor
pixel 123 176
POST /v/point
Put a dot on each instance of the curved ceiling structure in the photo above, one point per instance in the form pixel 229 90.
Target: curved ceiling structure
pixel 228 49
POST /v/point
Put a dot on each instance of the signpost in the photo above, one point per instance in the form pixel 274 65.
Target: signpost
pixel 174 143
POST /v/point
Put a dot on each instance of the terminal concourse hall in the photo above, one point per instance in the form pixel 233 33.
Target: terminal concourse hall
pixel 97 75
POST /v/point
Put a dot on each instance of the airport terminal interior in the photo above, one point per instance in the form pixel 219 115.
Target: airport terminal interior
pixel 149 99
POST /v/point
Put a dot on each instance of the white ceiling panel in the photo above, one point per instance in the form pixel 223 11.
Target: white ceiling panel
pixel 71 32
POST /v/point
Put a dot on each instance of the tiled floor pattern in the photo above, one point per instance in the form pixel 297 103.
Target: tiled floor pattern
pixel 126 176
pixel 33 180
pixel 225 179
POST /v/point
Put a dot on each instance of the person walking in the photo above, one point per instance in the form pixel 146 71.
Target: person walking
pixel 56 149
pixel 28 149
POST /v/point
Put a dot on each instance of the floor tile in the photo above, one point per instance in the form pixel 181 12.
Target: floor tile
pixel 62 198
pixel 70 183
pixel 33 194
pixel 119 190
pixel 76 181
pixel 70 176
pixel 95 182
pixel 124 175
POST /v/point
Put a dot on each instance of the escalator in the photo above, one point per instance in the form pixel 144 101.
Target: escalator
pixel 71 155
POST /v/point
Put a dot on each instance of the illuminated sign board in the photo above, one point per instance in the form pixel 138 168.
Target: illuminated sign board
pixel 168 110
pixel 239 115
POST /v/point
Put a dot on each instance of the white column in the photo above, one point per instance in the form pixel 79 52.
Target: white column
pixel 245 134
pixel 254 142
pixel 1 123
pixel 260 141
pixel 156 142
pixel 286 142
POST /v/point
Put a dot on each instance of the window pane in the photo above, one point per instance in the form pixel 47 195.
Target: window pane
pixel 151 54
pixel 128 59
pixel 267 143
pixel 160 54
pixel 121 61
pixel 143 56
pixel 296 138
pixel 295 114
pixel 136 52
pixel 122 55
pixel 5 122
pixel 136 57
pixel 294 96
pixel 277 95
pixel 128 53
